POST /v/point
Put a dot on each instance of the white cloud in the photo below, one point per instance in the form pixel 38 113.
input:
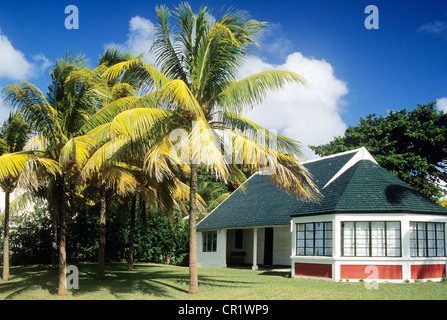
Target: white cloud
pixel 310 114
pixel 441 104
pixel 434 27
pixel 41 62
pixel 13 62
pixel 138 38
pixel 15 66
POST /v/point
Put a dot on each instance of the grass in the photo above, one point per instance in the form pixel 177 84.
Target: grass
pixel 164 282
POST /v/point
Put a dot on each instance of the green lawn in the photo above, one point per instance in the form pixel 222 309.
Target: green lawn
pixel 154 281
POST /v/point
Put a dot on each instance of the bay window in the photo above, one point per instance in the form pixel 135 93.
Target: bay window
pixel 371 239
pixel 314 239
pixel 427 239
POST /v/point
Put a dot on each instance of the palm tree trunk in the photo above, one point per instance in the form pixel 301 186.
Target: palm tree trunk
pixel 143 215
pixel 131 235
pixel 54 205
pixel 6 240
pixel 54 242
pixel 102 235
pixel 193 278
pixel 62 290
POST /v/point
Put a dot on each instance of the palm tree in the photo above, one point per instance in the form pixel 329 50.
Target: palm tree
pixel 56 119
pixel 18 168
pixel 14 134
pixel 123 176
pixel 195 95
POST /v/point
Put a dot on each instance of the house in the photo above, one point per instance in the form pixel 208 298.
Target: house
pixel 368 225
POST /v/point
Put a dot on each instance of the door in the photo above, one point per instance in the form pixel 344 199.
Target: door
pixel 268 247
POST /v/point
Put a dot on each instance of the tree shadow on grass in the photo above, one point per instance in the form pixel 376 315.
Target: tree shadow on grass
pixel 149 281
pixel 25 278
pixel 146 281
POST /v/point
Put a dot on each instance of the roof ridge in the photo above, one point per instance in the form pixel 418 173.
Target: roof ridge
pixel 361 154
pixel 332 156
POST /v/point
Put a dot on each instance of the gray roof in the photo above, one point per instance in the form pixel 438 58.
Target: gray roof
pixel 350 182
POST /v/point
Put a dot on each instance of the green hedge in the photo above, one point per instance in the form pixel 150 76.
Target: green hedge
pixel 159 238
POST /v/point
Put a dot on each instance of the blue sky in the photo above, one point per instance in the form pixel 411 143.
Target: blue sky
pixel 361 71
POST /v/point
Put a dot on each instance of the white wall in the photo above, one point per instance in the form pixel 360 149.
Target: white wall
pixel 213 259
pixel 226 245
pixel 281 245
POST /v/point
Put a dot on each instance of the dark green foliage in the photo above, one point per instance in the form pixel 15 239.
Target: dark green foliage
pixel 164 241
pixel 30 237
pixel 160 238
pixel 410 144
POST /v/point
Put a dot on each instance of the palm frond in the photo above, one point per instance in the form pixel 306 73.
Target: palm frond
pixel 178 95
pixel 254 131
pixel 165 155
pixel 37 173
pixel 39 114
pixel 163 48
pixel 77 151
pixel 138 122
pixel 282 169
pixel 105 154
pixel 205 148
pixel 13 164
pixel 120 180
pixel 243 95
pixel 148 76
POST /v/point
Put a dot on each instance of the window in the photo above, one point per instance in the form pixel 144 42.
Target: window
pixel 427 239
pixel 238 239
pixel 209 241
pixel 371 239
pixel 314 239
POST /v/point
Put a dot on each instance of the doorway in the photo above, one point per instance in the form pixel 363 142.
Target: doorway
pixel 268 247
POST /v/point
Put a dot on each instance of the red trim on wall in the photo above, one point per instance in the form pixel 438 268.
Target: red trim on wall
pixel 425 271
pixel 371 272
pixel 313 270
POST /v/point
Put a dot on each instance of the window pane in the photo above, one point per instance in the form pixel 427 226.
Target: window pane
pixel 319 226
pixel 378 239
pixel 319 251
pixel 362 238
pixel 309 243
pixel 209 241
pixel 348 238
pixel 214 243
pixel 313 238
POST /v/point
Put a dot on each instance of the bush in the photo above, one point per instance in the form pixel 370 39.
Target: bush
pixel 158 238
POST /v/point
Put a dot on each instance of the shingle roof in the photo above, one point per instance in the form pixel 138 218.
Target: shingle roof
pixel 349 182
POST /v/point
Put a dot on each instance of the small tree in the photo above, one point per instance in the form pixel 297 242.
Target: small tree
pixel 17 168
pixel 412 144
